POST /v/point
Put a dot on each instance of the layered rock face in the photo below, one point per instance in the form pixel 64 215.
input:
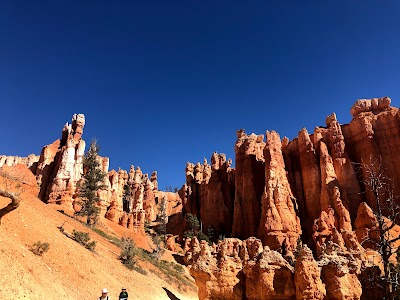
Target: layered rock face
pixel 309 190
pixel 130 198
pixel 68 163
pixel 249 184
pixel 310 186
pixel 30 161
pixel 308 277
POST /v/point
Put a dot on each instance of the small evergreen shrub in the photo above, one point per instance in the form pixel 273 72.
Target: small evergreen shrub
pixel 39 248
pixel 83 238
pixel 194 229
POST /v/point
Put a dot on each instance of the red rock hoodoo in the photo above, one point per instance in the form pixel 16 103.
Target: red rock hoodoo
pixel 296 213
pixel 286 193
pixel 59 169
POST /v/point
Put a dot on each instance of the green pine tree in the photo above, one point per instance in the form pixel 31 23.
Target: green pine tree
pixel 92 181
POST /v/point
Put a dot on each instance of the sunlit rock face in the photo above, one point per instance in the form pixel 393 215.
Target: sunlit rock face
pixel 310 186
pixel 60 165
pixel 129 198
pixel 309 190
pixel 208 193
pixel 30 161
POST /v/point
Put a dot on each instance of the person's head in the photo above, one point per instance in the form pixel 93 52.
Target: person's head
pixel 104 292
pixel 124 289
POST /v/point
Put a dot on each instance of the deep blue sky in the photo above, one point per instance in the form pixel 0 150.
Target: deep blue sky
pixel 166 82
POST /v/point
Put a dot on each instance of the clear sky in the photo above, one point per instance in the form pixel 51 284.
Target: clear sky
pixel 166 82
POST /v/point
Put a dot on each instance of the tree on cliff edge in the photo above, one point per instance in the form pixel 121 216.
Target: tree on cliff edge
pixel 92 181
pixel 385 204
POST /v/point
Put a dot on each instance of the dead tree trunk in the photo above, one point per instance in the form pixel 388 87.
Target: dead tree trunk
pixel 15 201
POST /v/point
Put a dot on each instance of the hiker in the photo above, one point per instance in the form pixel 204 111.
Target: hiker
pixel 123 295
pixel 104 295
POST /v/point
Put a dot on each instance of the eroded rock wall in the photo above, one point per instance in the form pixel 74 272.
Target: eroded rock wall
pixel 309 191
pixel 236 269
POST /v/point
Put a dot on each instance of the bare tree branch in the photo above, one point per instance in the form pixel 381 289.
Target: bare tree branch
pixel 14 204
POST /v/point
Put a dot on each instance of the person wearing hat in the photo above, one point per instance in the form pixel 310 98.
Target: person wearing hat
pixel 123 295
pixel 104 295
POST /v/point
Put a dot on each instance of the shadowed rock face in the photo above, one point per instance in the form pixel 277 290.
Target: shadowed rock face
pixel 308 277
pixel 310 186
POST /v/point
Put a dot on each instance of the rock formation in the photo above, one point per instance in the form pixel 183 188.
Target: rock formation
pixel 311 187
pixel 236 269
pixel 249 184
pixel 366 225
pixel 30 161
pixel 285 199
pixel 129 199
pixel 339 273
pixel 308 277
pixel 313 181
pixel 279 224
pixel 69 163
pixel 208 193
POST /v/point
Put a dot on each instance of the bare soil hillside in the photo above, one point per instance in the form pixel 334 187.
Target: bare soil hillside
pixel 68 270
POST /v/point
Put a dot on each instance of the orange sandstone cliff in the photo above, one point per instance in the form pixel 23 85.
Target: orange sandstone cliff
pixel 293 196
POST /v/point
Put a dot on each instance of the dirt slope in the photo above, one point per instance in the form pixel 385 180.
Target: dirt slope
pixel 67 270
